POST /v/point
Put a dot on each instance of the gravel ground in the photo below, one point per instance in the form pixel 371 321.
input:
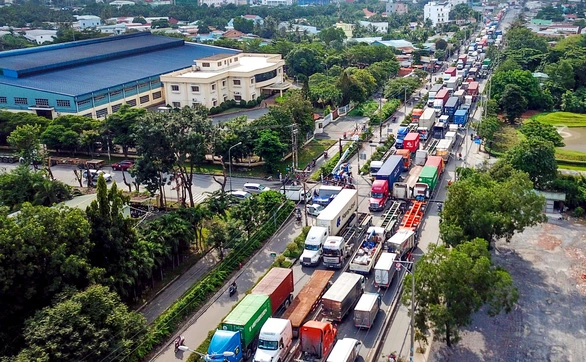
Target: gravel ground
pixel 548 265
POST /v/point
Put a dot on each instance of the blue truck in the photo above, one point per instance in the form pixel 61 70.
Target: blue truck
pixel 461 117
pixel 391 171
pixel 325 194
pixel 451 106
pixel 401 133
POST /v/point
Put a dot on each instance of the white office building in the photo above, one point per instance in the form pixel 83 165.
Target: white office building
pixel 88 21
pixel 217 3
pixel 277 2
pixel 222 77
pixel 438 13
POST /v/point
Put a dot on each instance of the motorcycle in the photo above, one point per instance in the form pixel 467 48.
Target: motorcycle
pixel 269 178
pixel 439 207
pixel 232 290
pixel 298 214
pixel 179 341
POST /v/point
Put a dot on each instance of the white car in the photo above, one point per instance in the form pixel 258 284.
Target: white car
pixel 254 188
pixel 96 173
pixel 314 209
pixel 239 195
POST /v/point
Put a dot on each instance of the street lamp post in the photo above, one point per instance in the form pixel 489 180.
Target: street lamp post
pixel 402 264
pixel 230 164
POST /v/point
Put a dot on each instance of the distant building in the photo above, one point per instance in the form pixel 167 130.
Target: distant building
pixel 88 21
pixel 277 2
pixel 453 3
pixel 41 36
pixel 438 13
pixel 313 2
pixel 121 3
pixel 222 77
pixel 233 34
pixel 297 28
pixel 398 8
pixel 402 45
pixel 255 18
pixel 217 3
pixel 379 27
pixel 116 29
pixel 347 28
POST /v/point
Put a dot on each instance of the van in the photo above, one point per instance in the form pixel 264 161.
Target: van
pixel 345 350
pixel 274 340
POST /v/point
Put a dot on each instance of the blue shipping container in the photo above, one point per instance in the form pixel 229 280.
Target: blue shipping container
pixel 461 117
pixel 391 170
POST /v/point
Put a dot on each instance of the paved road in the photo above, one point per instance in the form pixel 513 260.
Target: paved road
pixel 252 114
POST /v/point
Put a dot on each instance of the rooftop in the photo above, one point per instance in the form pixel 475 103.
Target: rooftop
pixel 246 64
pixel 216 57
pixel 80 68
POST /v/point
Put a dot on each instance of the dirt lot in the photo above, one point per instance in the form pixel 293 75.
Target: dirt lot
pixel 548 264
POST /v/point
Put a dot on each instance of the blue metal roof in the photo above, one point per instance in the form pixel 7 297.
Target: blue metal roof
pixel 76 80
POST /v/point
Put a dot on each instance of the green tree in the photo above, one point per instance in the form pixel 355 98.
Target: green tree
pixel 304 60
pixel 26 140
pixel 119 126
pixel 489 205
pixel 523 79
pixel 441 44
pixel 244 25
pixel 546 132
pixel 270 148
pixel 513 102
pixel 488 128
pixel 43 251
pixel 90 324
pixel 452 284
pixel 25 185
pixel 331 34
pixel 159 24
pixel 536 157
pixel 561 74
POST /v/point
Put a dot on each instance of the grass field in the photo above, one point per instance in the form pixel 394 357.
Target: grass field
pixel 562 119
pixel 569 155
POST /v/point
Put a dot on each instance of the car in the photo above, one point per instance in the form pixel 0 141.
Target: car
pixel 239 195
pixel 314 209
pixel 96 174
pixel 122 165
pixel 254 188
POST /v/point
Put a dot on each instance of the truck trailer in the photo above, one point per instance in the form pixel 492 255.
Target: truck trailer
pixel 339 212
pixel 385 177
pixel 366 310
pixel 384 270
pixel 345 350
pixel 426 184
pixel 461 117
pixel 278 285
pixel 368 252
pixel 403 190
pixel 342 296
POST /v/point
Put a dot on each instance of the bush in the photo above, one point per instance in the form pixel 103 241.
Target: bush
pixel 251 104
pixel 279 260
pixel 578 212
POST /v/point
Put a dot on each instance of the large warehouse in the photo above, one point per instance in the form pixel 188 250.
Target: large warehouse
pixel 94 77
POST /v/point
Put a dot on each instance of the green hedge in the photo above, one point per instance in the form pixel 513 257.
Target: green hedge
pixel 378 154
pixel 200 292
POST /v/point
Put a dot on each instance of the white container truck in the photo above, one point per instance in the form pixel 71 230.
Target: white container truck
pixel 314 242
pixel 339 211
pixel 274 341
pixel 366 310
pixel 438 106
pixel 428 117
pixel 384 270
pixel 345 350
pixel 374 167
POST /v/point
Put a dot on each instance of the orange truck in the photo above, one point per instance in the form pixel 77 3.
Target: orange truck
pixel 316 342
pixel 406 154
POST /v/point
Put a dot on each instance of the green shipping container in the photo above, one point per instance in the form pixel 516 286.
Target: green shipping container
pixel 248 317
pixel 429 176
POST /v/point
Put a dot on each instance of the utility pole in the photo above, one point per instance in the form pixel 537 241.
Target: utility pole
pixel 294 156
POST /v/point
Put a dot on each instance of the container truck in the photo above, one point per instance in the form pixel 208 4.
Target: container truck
pixel 438 107
pixel 436 162
pixel 401 133
pixel 460 93
pixel 439 129
pixel 316 342
pixel 427 181
pixel 451 71
pixel 325 194
pixel 406 155
pixel 308 299
pixel 451 85
pixel 274 341
pixel 384 270
pixel 428 118
pixel 404 190
pixel 345 350
pixel 432 92
pixel 374 167
pixel 314 241
pixel 240 328
pixel 472 89
pixel 342 296
pixel 452 106
pixel 387 175
pixel 336 252
pixel 442 95
pixel 368 252
pixel 379 195
pixel 296 193
pixel 411 142
pixel 278 285
pixel 402 243
pixel 339 212
pixel 461 117
pixel 444 148
pixel 416 114
pixel 366 310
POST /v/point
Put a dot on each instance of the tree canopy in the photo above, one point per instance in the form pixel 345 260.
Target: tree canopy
pixel 536 157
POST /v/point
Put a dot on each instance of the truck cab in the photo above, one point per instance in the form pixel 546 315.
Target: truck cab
pixel 314 242
pixel 374 167
pixel 274 342
pixel 379 194
pixel 221 342
pixel 345 350
pixel 335 252
pixel 317 339
pixel 438 105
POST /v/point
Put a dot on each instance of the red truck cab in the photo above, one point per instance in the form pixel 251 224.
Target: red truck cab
pixel 318 339
pixel 406 154
pixel 379 194
pixel 416 114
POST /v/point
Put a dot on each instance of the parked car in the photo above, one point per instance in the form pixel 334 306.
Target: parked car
pixel 239 195
pixel 122 165
pixel 314 209
pixel 96 173
pixel 254 188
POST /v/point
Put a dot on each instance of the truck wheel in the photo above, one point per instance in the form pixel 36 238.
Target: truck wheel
pixel 248 354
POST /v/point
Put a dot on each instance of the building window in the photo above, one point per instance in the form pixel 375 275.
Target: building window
pixel 214 87
pixel 253 96
pixel 264 76
pixel 205 65
pixel 174 88
pixel 129 89
pixel 251 81
pixel 219 64
pixel 42 102
pixel 116 107
pixel 195 104
pixel 20 100
pixel 63 103
pixel 83 102
pixel 157 95
pixel 143 85
pixel 176 104
pixel 214 102
pixel 102 112
pixel 223 84
pixel 195 88
pixel 3 100
pixel 225 98
pixel 115 93
pixel 89 115
pixel 132 102
pixel 236 81
pixel 236 59
pixel 155 82
pixel 144 99
pixel 237 98
pixel 99 98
